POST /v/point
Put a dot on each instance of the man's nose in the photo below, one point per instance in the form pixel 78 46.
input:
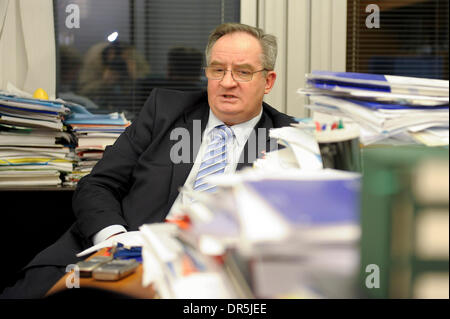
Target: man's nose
pixel 228 80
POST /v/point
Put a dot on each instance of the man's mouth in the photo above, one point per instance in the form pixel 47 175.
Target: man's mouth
pixel 229 96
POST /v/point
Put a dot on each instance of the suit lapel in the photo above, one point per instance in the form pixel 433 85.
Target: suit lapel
pixel 194 121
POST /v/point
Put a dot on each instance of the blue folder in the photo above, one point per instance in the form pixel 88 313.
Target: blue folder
pixel 312 202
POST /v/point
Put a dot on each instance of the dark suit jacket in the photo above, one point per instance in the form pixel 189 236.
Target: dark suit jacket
pixel 136 182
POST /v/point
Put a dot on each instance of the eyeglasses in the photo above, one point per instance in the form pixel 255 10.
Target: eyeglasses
pixel 239 75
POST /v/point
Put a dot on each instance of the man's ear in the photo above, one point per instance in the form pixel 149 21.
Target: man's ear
pixel 270 81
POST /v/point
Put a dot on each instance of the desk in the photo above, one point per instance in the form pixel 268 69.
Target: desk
pixel 130 285
pixel 34 217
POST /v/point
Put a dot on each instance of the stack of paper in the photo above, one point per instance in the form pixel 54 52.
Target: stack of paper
pixel 412 110
pixel 297 229
pixel 33 144
pixel 93 132
pixel 177 268
pixel 301 150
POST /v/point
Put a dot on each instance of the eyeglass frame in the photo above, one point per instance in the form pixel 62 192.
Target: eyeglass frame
pixel 232 75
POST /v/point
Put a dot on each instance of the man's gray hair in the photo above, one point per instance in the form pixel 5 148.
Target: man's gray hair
pixel 268 42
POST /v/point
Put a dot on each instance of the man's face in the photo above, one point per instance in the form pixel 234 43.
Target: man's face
pixel 231 101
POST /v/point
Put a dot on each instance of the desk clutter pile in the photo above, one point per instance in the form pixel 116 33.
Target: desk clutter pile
pixel 282 234
pixel 298 234
pixel 51 142
pixel 268 232
pixel 34 148
pixel 93 133
pixel 389 109
pixel 253 239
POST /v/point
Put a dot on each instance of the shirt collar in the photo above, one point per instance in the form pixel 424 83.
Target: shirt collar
pixel 242 130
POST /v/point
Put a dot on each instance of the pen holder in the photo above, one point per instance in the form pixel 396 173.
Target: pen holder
pixel 340 148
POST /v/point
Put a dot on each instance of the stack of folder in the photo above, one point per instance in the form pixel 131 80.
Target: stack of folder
pixel 93 133
pixel 176 267
pixel 34 146
pixel 395 109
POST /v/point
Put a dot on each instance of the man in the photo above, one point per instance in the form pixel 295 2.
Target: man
pixel 137 180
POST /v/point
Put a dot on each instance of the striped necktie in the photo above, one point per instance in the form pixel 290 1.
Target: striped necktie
pixel 214 159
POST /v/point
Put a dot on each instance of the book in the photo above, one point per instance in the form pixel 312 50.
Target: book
pixel 384 120
pixel 33 104
pixel 387 100
pixel 56 149
pixel 26 140
pixel 105 119
pixel 96 134
pixel 30 112
pixel 6 155
pixel 96 141
pixel 377 82
pixel 15 120
pixel 28 178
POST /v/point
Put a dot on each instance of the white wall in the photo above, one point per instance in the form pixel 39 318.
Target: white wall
pixel 27 45
pixel 311 36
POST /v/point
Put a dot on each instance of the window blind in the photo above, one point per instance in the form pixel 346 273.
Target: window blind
pixel 123 49
pixel 411 40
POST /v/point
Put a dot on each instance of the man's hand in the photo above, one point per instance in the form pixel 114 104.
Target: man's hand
pixel 132 238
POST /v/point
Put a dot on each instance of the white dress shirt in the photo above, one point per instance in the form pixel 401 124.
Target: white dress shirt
pixel 234 149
